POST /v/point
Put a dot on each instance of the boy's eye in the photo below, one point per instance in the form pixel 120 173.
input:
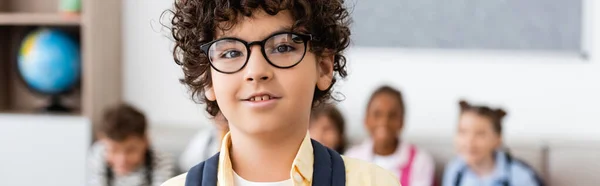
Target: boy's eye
pixel 283 49
pixel 231 54
pixel 297 39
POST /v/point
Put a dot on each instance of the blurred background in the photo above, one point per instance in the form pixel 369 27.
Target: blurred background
pixel 117 51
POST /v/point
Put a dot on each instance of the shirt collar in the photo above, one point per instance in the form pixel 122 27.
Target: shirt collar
pixel 302 165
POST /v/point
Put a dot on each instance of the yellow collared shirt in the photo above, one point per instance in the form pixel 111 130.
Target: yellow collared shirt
pixel 358 173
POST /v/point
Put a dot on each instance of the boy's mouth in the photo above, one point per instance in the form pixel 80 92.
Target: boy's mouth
pixel 261 97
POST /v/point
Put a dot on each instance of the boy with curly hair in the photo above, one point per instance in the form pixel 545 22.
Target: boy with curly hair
pixel 265 65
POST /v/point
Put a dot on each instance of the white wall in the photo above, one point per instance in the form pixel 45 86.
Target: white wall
pixel 548 95
pixel 150 75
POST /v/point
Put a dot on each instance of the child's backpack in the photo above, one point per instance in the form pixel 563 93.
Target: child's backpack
pixel 328 169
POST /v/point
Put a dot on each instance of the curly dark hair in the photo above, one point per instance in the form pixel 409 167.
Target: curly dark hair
pixel 195 22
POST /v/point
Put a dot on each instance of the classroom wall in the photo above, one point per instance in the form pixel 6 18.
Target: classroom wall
pixel 547 95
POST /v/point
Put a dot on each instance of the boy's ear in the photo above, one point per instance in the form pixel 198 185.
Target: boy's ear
pixel 210 94
pixel 325 70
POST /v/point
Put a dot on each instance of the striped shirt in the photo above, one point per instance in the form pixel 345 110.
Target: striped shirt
pixel 162 169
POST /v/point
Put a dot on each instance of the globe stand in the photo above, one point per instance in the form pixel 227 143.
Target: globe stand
pixel 56 106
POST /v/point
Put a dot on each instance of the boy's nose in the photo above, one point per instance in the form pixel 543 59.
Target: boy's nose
pixel 257 68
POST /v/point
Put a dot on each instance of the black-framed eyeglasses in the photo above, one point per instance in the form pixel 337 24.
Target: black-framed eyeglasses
pixel 282 50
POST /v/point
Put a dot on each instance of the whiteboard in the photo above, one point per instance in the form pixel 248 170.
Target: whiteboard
pixel 547 25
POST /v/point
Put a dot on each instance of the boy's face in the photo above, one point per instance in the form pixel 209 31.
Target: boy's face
pixel 125 156
pixel 261 98
pixel 384 118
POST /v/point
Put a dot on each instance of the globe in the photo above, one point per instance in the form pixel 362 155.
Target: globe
pixel 49 61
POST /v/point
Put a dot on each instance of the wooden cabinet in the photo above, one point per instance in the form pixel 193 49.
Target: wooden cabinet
pixel 98 30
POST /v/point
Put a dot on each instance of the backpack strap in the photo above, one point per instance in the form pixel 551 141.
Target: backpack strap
pixel 339 169
pixel 204 173
pixel 538 179
pixel 328 169
pixel 406 170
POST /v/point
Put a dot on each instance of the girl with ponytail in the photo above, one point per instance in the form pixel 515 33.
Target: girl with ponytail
pixel 482 161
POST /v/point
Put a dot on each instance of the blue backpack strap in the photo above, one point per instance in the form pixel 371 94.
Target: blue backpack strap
pixel 204 173
pixel 510 159
pixel 459 175
pixel 328 167
pixel 339 169
pixel 194 175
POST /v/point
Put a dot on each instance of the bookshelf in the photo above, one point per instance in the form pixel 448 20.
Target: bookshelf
pixel 98 32
pixel 47 19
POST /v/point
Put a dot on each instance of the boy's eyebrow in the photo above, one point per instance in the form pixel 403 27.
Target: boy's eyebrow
pixel 281 29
